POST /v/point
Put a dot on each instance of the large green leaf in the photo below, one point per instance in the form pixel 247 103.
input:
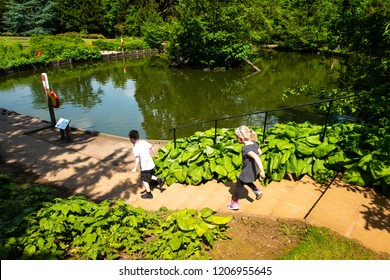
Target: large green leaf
pixel 320 172
pixel 209 151
pixel 219 220
pixel 353 176
pixel 197 158
pixel 228 164
pixel 302 167
pixel 201 228
pixel 220 170
pixel 379 169
pixel 190 151
pixel 196 175
pixel 337 159
pixel 323 149
pixel 213 166
pixel 232 176
pixel 313 140
pixel 180 174
pixel 278 143
pixel 237 160
pixel 279 174
pixel 205 212
pixel 303 148
pixel 170 180
pixel 174 153
pixel 292 131
pixel 285 156
pixel 176 241
pixel 275 161
pixel 291 164
pixel 207 174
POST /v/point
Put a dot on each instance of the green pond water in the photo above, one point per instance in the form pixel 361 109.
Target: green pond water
pixel 143 93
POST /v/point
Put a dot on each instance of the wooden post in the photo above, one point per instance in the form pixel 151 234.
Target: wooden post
pixel 46 88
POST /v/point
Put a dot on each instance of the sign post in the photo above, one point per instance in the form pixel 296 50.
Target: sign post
pixel 46 88
pixel 123 55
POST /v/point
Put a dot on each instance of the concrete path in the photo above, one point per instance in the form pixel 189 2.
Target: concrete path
pixel 99 166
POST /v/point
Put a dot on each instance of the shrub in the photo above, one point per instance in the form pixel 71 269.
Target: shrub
pixel 60 47
pixel 130 44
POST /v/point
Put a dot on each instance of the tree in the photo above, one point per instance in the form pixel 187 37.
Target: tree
pixel 2 8
pixel 304 24
pixel 362 30
pixel 211 33
pixel 111 8
pixel 85 16
pixel 155 31
pixel 29 17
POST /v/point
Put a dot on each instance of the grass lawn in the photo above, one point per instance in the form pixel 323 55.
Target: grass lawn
pixel 11 39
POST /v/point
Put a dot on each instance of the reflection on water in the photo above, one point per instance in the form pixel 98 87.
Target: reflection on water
pixel 152 98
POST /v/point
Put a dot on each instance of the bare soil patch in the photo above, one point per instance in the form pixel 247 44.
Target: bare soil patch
pixel 256 238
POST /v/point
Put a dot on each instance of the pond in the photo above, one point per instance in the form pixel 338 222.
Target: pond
pixel 143 93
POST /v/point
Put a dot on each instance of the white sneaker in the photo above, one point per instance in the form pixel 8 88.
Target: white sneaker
pixel 233 206
pixel 258 194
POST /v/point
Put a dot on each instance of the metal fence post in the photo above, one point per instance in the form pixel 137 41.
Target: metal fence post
pixel 265 125
pixel 215 131
pixel 174 137
pixel 326 120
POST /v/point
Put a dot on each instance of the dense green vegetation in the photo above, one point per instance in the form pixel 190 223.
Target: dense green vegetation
pixel 43 49
pixel 36 225
pixel 361 154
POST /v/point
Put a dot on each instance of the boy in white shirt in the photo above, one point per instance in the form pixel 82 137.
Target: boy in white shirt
pixel 143 152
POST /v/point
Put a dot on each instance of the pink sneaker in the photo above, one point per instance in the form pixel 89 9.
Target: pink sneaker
pixel 233 205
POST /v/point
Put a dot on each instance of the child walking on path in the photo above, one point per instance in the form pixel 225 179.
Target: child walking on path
pixel 251 164
pixel 143 152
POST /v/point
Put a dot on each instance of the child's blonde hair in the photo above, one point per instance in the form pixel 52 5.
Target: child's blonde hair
pixel 245 133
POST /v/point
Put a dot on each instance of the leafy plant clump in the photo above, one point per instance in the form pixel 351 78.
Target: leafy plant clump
pixel 360 153
pixel 197 159
pixel 50 48
pixel 75 228
pixel 129 44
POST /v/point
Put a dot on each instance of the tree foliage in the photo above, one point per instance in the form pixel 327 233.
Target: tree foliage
pixel 29 17
pixel 85 16
pixel 211 33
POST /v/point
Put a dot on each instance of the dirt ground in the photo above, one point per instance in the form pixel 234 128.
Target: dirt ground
pixel 254 238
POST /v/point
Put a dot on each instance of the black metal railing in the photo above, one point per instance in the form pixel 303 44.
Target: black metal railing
pixel 266 113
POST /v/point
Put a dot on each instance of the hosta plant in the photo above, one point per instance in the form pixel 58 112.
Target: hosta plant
pixel 360 153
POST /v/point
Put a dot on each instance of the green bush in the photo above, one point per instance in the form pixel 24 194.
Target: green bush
pixel 35 225
pixel 10 52
pixel 130 44
pixel 59 47
pixel 82 53
pixel 107 45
